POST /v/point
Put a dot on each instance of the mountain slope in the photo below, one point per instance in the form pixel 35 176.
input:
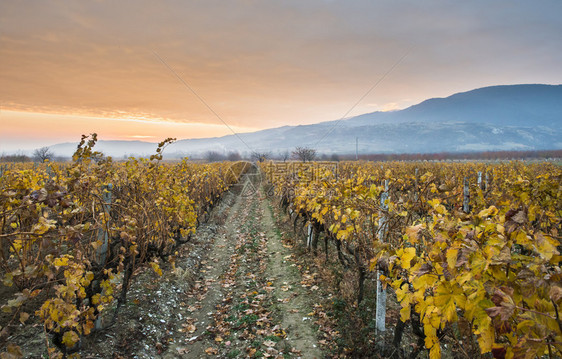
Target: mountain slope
pixel 513 117
pixel 513 105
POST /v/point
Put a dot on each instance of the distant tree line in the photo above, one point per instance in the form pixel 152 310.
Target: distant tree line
pixel 441 156
pixel 214 156
pixel 16 157
pixel 306 154
pixel 39 155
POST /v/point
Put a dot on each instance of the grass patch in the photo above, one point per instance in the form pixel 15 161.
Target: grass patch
pixel 249 319
pixel 241 307
pixel 233 353
pixel 273 338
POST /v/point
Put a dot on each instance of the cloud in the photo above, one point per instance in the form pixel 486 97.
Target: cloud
pixel 391 106
pixel 26 130
pixel 140 136
pixel 264 64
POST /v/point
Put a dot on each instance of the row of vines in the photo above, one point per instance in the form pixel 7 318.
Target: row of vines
pixel 461 245
pixel 73 234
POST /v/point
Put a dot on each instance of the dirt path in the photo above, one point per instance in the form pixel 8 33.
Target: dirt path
pixel 254 305
pixel 294 305
pixel 208 292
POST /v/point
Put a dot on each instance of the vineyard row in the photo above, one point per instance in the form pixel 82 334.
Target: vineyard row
pixel 73 234
pixel 469 249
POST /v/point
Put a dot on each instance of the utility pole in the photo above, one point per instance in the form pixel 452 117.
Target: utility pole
pixel 356 148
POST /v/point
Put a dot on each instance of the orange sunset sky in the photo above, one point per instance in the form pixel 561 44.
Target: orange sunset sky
pixel 74 67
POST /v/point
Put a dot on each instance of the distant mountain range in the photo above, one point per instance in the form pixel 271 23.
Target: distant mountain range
pixel 496 118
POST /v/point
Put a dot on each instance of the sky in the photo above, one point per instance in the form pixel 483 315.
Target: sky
pixel 148 70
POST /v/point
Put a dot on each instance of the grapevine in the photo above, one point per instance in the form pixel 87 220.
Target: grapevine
pixel 490 264
pixel 72 234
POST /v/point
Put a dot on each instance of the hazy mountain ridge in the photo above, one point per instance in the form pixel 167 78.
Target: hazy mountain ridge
pixel 510 117
pixel 506 105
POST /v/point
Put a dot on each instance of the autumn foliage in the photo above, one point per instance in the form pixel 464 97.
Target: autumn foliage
pixel 493 269
pixel 73 234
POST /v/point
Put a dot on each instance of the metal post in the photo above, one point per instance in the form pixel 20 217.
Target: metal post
pixel 416 187
pixel 380 310
pixel 384 207
pixel 50 171
pixel 103 235
pixel 466 200
pixel 479 180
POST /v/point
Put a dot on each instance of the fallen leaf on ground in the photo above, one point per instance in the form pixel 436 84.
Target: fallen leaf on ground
pixel 251 351
pixel 211 351
pixel 182 351
pixel 191 328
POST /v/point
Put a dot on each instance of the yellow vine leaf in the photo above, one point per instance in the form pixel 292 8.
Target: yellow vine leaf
pixel 435 352
pixel 546 246
pixel 96 299
pixel 12 352
pixel 522 238
pixel 156 268
pixel 406 255
pixel 452 257
pixel 43 226
pixel 424 282
pixel 484 331
pixel 434 202
pixel 488 212
pixel 23 317
pixel 61 262
pixel 406 310
pixel 412 232
pixel 87 327
pixel 486 340
pixel 447 297
pixel 70 338
pixel 8 279
pixel 430 332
